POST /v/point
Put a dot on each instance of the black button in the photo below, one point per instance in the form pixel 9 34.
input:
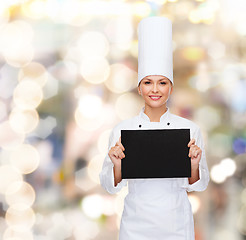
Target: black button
pixel 168 123
pixel 140 125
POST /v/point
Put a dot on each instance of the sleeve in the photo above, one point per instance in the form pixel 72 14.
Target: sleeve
pixel 107 173
pixel 202 183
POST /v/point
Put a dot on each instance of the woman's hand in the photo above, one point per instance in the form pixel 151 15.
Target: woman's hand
pixel 116 153
pixel 195 153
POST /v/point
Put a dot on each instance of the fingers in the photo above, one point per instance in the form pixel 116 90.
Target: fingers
pixel 192 142
pixel 119 153
pixel 194 151
pixel 120 144
pixel 116 152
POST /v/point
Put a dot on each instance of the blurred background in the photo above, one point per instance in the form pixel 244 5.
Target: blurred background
pixel 68 74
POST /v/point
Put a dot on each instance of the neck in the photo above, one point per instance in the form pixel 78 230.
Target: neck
pixel 155 114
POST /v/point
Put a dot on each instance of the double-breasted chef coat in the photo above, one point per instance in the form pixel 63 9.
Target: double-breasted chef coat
pixel 156 208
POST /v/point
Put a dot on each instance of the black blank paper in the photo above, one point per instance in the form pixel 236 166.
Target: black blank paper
pixel 155 153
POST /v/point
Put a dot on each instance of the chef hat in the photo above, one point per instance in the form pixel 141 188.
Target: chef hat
pixel 155 53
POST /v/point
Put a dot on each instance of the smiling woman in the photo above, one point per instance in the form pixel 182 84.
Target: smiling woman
pixel 156 208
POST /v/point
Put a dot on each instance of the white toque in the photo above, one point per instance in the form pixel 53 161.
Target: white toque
pixel 155 52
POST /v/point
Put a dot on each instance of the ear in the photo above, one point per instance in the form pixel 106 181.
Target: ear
pixel 139 90
pixel 171 89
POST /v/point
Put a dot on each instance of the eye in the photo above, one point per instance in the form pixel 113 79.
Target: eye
pixel 163 83
pixel 146 82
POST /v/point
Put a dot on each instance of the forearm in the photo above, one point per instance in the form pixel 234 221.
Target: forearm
pixel 194 174
pixel 117 174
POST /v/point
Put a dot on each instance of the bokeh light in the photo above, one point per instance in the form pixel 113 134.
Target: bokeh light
pixel 121 79
pixel 27 95
pixel 8 175
pixel 220 144
pixel 17 29
pixel 119 31
pixel 90 106
pixel 224 169
pixel 35 72
pixel 34 9
pixel 239 145
pixel 93 44
pixel 20 216
pixel 10 139
pixel 94 69
pixel 25 159
pixel 89 122
pixel 207 117
pixel 193 53
pixel 20 192
pixel 127 105
pixel 23 121
pixel 15 233
pixel 92 205
pixel 17 53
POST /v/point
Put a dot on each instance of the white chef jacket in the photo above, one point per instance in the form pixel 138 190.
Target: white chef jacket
pixel 156 208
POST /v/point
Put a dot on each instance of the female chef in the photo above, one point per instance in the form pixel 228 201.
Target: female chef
pixel 155 208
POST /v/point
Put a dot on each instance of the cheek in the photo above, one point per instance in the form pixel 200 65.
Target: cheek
pixel 166 91
pixel 145 90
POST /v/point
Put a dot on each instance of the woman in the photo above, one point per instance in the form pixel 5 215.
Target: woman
pixel 158 208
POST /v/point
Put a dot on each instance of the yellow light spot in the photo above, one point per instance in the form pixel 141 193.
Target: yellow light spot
pixel 194 17
pixel 193 53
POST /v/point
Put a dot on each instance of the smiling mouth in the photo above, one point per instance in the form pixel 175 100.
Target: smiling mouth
pixel 155 97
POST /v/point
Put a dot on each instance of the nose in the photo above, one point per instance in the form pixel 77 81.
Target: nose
pixel 155 87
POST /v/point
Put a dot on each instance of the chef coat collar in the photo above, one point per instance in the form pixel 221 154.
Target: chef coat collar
pixel 145 116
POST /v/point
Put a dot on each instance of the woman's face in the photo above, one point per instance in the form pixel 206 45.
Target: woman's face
pixel 155 90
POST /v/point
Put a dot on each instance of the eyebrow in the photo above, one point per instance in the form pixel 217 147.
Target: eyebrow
pixel 158 80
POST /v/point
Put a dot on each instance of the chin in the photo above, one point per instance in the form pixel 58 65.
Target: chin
pixel 156 105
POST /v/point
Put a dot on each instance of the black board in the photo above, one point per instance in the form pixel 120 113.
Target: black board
pixel 155 153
